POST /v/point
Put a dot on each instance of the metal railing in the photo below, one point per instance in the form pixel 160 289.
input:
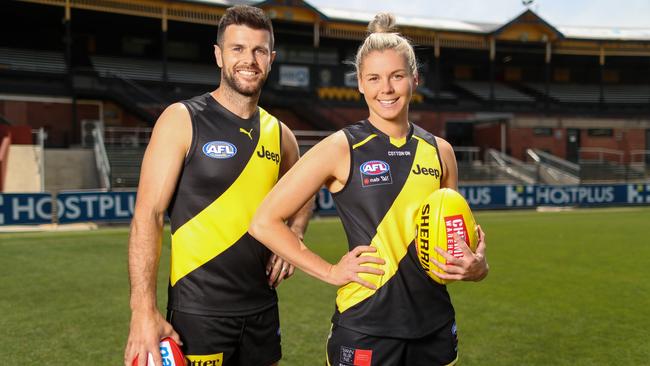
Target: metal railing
pixel 40 136
pixel 127 136
pixel 553 170
pixel 467 154
pixel 101 159
pixel 511 166
pixel 644 156
pixel 600 155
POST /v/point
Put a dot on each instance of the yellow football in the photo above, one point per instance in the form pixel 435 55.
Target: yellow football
pixel 442 214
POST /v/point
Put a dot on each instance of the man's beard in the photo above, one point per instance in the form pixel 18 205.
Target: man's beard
pixel 248 91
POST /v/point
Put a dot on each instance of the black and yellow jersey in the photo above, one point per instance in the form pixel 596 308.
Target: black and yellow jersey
pixel 217 268
pixel 388 181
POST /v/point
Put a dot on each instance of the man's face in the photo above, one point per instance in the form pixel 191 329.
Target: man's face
pixel 245 58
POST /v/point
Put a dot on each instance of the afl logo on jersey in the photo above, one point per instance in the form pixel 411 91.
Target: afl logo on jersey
pixel 219 149
pixel 374 167
pixel 375 172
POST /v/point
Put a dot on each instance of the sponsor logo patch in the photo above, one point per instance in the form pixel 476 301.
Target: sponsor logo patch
pixel 375 172
pixel 399 153
pixel 355 357
pixel 219 150
pixel 455 224
pixel 269 155
pixel 426 171
pixel 205 360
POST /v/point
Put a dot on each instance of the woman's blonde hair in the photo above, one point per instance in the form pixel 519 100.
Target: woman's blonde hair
pixel 384 36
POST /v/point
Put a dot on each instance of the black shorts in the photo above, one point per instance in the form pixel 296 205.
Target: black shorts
pixel 346 347
pixel 252 340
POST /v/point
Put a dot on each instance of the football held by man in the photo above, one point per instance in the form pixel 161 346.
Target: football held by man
pixel 210 162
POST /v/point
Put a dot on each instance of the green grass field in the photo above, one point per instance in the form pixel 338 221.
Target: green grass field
pixel 565 288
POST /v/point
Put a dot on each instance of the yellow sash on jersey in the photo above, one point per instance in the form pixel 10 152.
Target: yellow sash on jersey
pixel 224 221
pixel 397 229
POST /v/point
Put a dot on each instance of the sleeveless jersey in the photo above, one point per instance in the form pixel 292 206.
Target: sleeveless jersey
pixel 217 268
pixel 388 181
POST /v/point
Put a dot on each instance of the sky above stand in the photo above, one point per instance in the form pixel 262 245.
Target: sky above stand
pixel 589 13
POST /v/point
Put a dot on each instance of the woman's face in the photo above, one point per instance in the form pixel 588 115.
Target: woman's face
pixel 387 84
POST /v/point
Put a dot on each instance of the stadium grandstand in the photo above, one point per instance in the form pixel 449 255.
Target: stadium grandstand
pixel 83 81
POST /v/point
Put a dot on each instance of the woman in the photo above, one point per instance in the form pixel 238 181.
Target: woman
pixel 388 312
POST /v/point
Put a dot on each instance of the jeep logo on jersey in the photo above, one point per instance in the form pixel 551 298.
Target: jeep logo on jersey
pixel 426 171
pixel 219 149
pixel 374 167
pixel 274 157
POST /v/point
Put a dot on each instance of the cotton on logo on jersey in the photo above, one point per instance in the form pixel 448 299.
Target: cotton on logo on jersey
pixel 219 150
pixel 375 172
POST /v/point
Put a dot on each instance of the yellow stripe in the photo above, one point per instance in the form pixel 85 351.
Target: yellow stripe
pixel 397 142
pixel 396 230
pixel 364 141
pixel 225 220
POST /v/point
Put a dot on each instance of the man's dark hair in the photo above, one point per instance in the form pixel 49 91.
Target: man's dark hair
pixel 244 15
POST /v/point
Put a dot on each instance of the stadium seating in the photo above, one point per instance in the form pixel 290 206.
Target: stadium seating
pixel 125 165
pixel 32 61
pixel 569 93
pixel 150 70
pixel 627 94
pixel 502 92
pixel 590 93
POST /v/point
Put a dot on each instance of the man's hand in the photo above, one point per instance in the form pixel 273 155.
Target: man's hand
pixel 278 269
pixel 348 268
pixel 146 330
pixel 470 267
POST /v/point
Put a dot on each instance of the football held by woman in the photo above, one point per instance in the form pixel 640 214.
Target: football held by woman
pixel 379 170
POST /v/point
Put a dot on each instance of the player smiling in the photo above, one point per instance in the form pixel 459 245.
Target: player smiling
pixel 379 170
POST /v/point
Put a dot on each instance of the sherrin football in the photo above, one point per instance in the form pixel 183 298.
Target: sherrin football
pixel 442 214
pixel 170 352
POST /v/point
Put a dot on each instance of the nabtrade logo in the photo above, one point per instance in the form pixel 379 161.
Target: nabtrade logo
pixel 219 149
pixel 375 167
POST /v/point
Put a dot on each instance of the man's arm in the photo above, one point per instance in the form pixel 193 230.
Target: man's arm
pixel 161 166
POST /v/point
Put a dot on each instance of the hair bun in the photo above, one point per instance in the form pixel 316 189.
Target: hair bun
pixel 383 23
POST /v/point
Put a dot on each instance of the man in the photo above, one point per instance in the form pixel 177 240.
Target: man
pixel 210 162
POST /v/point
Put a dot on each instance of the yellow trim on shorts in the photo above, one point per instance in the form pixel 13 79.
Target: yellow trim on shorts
pixel 452 363
pixel 327 343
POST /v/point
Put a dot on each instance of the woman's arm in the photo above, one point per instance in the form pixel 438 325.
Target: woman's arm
pixel 327 164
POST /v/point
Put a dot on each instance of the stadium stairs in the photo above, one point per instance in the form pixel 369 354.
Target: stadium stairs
pixel 24 169
pixel 516 169
pixel 125 162
pixel 144 103
pixel 552 169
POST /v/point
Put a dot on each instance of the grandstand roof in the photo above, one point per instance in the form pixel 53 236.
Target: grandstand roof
pixel 572 32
